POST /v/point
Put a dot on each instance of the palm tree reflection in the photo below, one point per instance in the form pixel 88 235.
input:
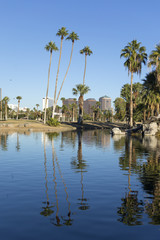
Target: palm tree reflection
pixel 80 166
pixel 67 219
pixel 47 210
pixel 131 208
pixel 3 141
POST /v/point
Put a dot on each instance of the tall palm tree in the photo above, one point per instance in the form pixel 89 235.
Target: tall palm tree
pixel 37 105
pixel 87 51
pixel 6 100
pixel 72 36
pixel 154 61
pixel 19 99
pixel 135 55
pixel 51 46
pixel 61 33
pixel 80 89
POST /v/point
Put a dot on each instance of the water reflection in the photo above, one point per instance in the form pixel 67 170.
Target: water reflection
pixel 141 157
pixel 139 162
pixel 47 209
pixel 3 141
pixel 131 208
pixel 56 219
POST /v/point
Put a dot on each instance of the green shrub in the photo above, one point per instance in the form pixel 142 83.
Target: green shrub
pixel 53 122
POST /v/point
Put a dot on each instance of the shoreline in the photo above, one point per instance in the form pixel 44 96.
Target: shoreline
pixel 37 126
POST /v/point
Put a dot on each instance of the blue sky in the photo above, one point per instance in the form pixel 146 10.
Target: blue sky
pixel 106 26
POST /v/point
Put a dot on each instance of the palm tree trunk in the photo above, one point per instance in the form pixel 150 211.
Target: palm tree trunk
pixel 45 111
pixel 80 119
pixel 66 73
pixel 55 91
pixel 85 69
pixel 18 110
pixel 144 115
pixel 6 111
pixel 131 103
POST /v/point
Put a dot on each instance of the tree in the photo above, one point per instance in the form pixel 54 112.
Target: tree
pixel 154 61
pixel 151 96
pixel 50 47
pixel 27 112
pixel 61 33
pixel 19 99
pixel 6 100
pixel 120 109
pixel 37 105
pixel 73 36
pixel 86 50
pixel 135 56
pixel 80 89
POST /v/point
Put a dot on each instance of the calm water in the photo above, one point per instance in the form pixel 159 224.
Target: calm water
pixel 85 185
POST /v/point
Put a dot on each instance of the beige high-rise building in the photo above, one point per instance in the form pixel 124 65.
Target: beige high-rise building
pixel 105 102
pixel 88 104
pixel 69 101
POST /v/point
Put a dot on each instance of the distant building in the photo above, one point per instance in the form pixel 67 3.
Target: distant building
pixel 105 102
pixel 13 106
pixel 49 103
pixel 88 104
pixel 69 101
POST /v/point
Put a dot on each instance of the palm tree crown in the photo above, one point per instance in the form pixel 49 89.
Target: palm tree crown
pixel 80 89
pixel 18 98
pixel 72 36
pixel 62 32
pixel 135 56
pixel 154 60
pixel 86 50
pixel 6 99
pixel 51 46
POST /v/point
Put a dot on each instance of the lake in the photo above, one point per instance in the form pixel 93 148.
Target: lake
pixel 79 185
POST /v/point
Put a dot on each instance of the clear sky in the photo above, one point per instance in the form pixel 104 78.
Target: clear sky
pixel 26 26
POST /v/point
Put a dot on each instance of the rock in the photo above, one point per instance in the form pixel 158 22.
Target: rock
pixel 21 125
pixel 150 129
pixel 11 125
pixel 117 131
pixel 27 125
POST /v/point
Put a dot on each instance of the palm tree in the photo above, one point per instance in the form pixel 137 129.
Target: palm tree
pixel 50 47
pixel 63 99
pixel 135 56
pixel 73 36
pixel 19 99
pixel 86 50
pixel 37 105
pixel 61 33
pixel 27 112
pixel 80 89
pixel 154 61
pixel 64 111
pixel 6 100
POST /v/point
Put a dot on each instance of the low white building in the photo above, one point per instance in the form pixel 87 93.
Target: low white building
pixel 49 103
pixel 13 106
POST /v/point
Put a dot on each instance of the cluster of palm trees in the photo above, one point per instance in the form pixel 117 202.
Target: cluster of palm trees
pixel 5 101
pixel 135 56
pixel 51 46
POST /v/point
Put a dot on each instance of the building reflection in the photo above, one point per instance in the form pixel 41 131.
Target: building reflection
pixel 99 138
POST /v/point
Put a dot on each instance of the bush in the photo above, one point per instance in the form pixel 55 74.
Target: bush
pixel 53 122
